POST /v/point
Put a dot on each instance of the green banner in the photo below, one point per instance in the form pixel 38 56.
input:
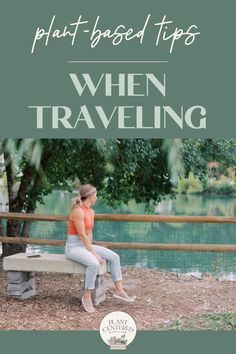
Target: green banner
pixel 92 69
pixel 90 342
pixel 117 69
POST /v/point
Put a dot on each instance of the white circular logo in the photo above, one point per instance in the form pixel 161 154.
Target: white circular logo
pixel 118 329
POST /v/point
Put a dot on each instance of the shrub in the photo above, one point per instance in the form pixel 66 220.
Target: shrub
pixel 189 185
pixel 223 185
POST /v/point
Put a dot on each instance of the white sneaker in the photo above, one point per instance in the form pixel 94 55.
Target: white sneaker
pixel 123 296
pixel 88 305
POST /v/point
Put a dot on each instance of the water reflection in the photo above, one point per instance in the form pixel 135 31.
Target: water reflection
pixel 215 263
pixel 220 264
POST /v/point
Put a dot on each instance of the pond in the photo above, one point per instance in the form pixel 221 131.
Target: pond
pixel 222 265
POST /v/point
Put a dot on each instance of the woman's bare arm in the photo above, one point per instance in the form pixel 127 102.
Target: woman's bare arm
pixel 77 216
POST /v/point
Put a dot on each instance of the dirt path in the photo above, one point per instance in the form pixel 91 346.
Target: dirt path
pixel 161 297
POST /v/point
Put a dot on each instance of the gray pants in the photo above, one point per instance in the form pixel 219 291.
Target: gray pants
pixel 75 251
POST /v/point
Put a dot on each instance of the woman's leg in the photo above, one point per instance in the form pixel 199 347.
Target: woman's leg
pixel 83 256
pixel 113 261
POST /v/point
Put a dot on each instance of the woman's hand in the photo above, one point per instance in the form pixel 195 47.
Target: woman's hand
pixel 99 258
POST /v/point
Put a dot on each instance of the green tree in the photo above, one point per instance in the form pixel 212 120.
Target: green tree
pixel 121 169
pixel 139 171
pixel 197 153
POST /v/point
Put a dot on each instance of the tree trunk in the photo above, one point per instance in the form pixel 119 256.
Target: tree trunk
pixel 37 187
pixel 1 232
pixel 16 203
pixel 31 184
pixel 36 190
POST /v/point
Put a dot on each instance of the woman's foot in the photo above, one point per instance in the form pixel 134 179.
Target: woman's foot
pixel 121 294
pixel 87 304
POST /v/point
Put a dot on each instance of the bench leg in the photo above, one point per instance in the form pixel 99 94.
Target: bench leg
pixel 21 284
pixel 99 292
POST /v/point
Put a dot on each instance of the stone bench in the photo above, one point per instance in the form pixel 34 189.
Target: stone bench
pixel 21 280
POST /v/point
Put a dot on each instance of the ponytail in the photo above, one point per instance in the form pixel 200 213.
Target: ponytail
pixel 76 202
pixel 84 192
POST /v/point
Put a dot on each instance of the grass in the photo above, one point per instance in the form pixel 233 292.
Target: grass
pixel 211 321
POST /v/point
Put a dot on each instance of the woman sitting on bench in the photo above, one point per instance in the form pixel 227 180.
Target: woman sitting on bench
pixel 79 247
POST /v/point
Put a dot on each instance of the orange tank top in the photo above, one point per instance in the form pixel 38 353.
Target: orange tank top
pixel 88 221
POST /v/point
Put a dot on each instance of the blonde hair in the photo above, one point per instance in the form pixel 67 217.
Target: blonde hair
pixel 85 191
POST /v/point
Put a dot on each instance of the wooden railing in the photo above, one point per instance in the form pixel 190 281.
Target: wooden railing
pixel 127 218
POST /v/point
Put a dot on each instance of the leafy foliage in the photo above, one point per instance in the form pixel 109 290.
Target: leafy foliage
pixel 189 185
pixel 210 321
pixel 121 169
pixel 139 172
pixel 196 153
pixel 223 185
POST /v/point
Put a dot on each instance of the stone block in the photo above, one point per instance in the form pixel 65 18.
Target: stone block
pixel 18 277
pixel 101 290
pixel 21 287
pixel 99 299
pixel 46 263
pixel 99 293
pixel 99 280
pixel 27 294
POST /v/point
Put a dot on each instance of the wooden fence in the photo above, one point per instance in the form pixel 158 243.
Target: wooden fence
pixel 126 218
